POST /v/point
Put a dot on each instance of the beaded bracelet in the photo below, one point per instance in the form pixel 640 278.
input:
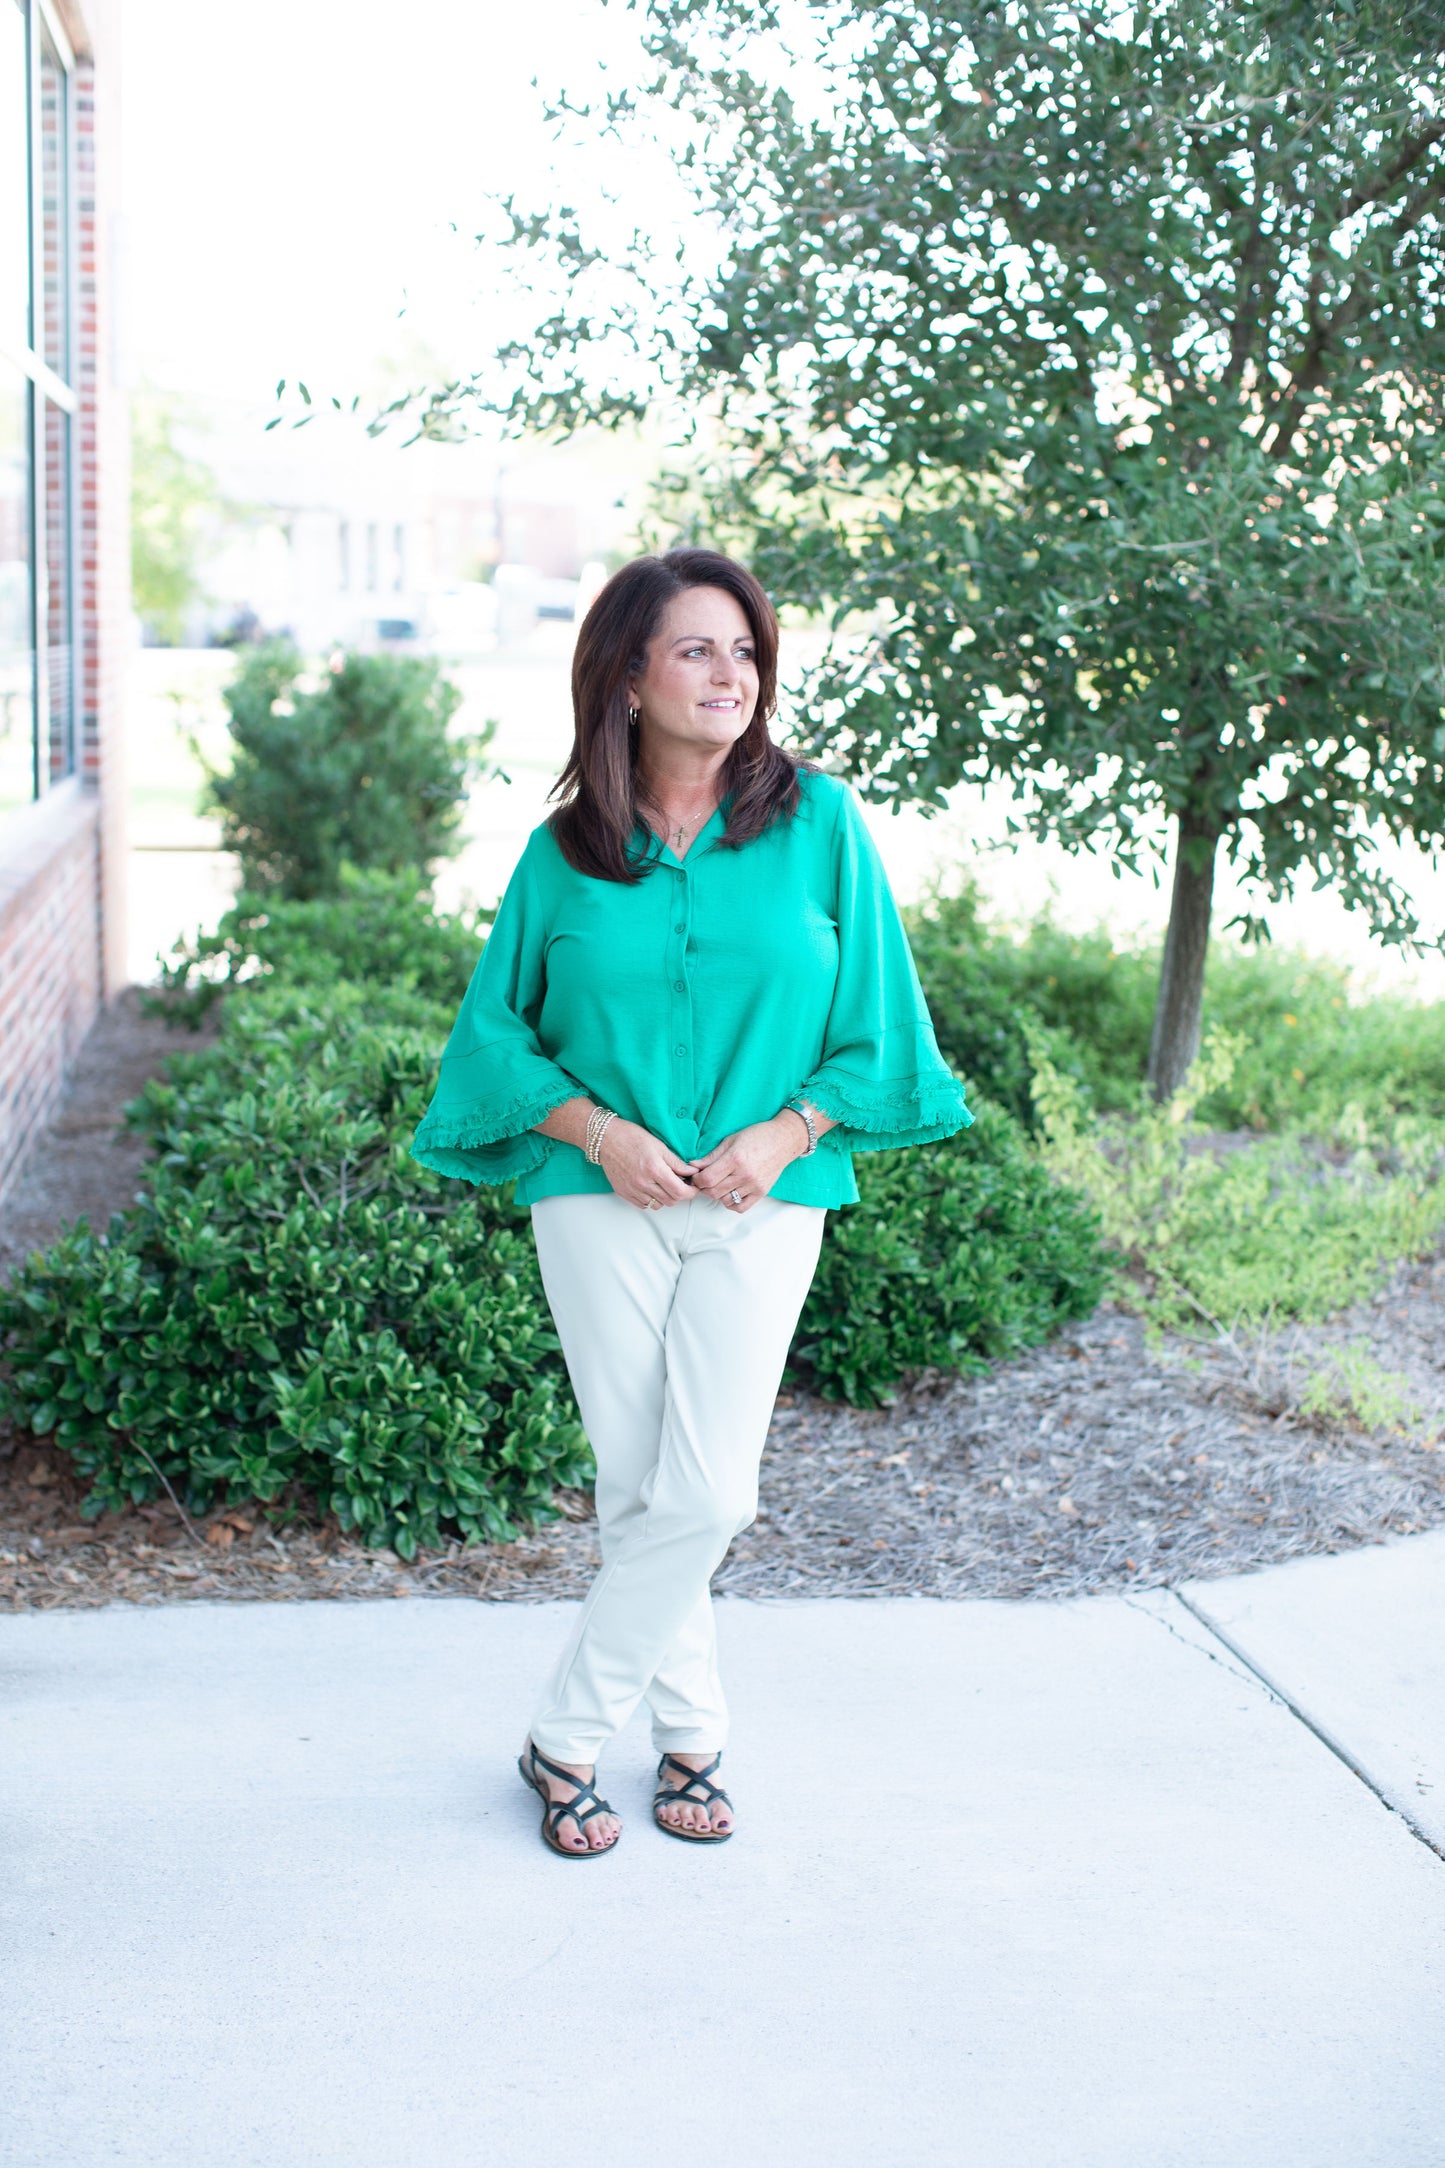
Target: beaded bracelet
pixel 597 1122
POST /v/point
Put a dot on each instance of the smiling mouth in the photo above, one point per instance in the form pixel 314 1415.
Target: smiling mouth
pixel 722 703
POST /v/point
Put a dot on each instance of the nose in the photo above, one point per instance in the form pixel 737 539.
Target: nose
pixel 725 670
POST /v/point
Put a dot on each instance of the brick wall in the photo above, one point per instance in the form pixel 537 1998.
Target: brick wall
pixel 50 967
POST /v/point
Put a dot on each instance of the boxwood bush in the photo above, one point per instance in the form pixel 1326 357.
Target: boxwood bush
pixel 954 1257
pixel 378 934
pixel 296 1308
pixel 295 1312
pixel 354 764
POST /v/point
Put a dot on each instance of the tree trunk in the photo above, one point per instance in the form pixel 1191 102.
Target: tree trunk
pixel 1180 1003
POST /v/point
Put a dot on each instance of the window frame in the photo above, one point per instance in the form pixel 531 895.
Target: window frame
pixel 43 382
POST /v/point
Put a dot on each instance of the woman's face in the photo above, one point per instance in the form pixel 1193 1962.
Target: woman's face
pixel 700 685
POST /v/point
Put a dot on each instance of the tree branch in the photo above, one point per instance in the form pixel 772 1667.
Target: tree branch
pixel 1408 156
pixel 1244 325
pixel 1309 372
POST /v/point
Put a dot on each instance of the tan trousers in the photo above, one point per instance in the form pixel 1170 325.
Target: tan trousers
pixel 675 1326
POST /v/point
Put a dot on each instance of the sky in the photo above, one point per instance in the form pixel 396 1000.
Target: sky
pixel 293 169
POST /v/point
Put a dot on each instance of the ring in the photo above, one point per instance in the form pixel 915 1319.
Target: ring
pixel 734 1197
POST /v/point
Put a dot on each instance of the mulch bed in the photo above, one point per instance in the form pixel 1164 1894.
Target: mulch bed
pixel 1101 1461
pixel 86 1166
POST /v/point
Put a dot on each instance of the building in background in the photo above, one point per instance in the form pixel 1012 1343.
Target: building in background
pixel 341 539
pixel 64 611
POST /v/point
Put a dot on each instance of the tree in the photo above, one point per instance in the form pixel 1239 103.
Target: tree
pixel 1092 359
pixel 176 505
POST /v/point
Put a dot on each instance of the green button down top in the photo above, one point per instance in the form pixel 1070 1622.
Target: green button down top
pixel 696 1002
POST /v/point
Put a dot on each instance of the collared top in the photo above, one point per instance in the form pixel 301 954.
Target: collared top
pixel 695 1002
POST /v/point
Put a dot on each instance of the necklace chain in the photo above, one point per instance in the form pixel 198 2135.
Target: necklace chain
pixel 678 829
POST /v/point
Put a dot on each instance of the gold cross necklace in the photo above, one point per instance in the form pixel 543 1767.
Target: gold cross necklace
pixel 680 829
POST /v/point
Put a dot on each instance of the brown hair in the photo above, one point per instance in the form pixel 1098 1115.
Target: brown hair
pixel 600 799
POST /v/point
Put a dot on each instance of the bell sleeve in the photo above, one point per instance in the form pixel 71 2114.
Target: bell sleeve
pixel 882 1077
pixel 495 1080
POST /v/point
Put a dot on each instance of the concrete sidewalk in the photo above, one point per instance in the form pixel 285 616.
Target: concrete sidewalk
pixel 1357 1646
pixel 1020 1886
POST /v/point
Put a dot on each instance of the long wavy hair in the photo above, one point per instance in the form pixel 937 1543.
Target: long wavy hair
pixel 601 797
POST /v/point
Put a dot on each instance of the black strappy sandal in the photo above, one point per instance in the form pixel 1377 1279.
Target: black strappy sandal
pixel 666 1793
pixel 557 1810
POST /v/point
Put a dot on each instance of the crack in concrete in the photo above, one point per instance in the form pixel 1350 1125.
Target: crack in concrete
pixel 1312 1724
pixel 1245 1678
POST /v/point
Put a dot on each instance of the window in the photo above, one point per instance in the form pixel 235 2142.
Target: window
pixel 17 626
pixel 14 182
pixel 37 406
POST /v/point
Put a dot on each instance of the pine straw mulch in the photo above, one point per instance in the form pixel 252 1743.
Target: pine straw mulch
pixel 1100 1461
pixel 1097 1462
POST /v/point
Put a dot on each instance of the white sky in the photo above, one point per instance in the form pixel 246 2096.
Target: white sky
pixel 291 169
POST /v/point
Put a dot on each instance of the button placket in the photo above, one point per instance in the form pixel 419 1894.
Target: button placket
pixel 682 1076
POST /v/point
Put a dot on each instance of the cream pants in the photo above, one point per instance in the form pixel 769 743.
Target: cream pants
pixel 675 1326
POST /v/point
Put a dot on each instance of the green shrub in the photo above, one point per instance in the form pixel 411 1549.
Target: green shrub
pixel 297 1308
pixel 1347 1385
pixel 952 1258
pixel 1313 1046
pixel 963 969
pixel 1283 1226
pixel 298 1313
pixel 379 933
pixel 357 769
pixel 987 989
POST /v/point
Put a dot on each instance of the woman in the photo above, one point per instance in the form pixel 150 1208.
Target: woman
pixel 696 1001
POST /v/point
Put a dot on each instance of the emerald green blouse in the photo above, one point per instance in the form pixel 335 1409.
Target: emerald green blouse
pixel 695 1002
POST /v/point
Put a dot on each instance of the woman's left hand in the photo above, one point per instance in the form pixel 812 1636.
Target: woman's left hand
pixel 749 1161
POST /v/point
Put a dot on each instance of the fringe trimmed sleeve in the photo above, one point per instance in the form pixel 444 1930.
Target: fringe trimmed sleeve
pixel 495 1081
pixel 882 1077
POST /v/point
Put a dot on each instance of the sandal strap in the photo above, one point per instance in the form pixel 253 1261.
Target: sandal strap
pixel 562 1810
pixel 703 1777
pixel 558 1812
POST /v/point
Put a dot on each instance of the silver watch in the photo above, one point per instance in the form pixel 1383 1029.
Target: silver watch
pixel 799 1107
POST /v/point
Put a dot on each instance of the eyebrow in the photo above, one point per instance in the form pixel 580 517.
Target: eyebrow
pixel 707 639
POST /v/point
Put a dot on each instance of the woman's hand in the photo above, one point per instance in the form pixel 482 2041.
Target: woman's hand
pixel 750 1160
pixel 641 1167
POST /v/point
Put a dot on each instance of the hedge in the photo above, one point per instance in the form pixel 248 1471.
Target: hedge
pixel 296 1313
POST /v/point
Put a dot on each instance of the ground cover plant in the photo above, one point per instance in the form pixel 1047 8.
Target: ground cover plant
pixel 1302 1158
pixel 1286 1225
pixel 296 1313
pixel 1309 1044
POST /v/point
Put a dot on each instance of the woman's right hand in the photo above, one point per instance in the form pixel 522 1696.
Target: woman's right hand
pixel 641 1167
